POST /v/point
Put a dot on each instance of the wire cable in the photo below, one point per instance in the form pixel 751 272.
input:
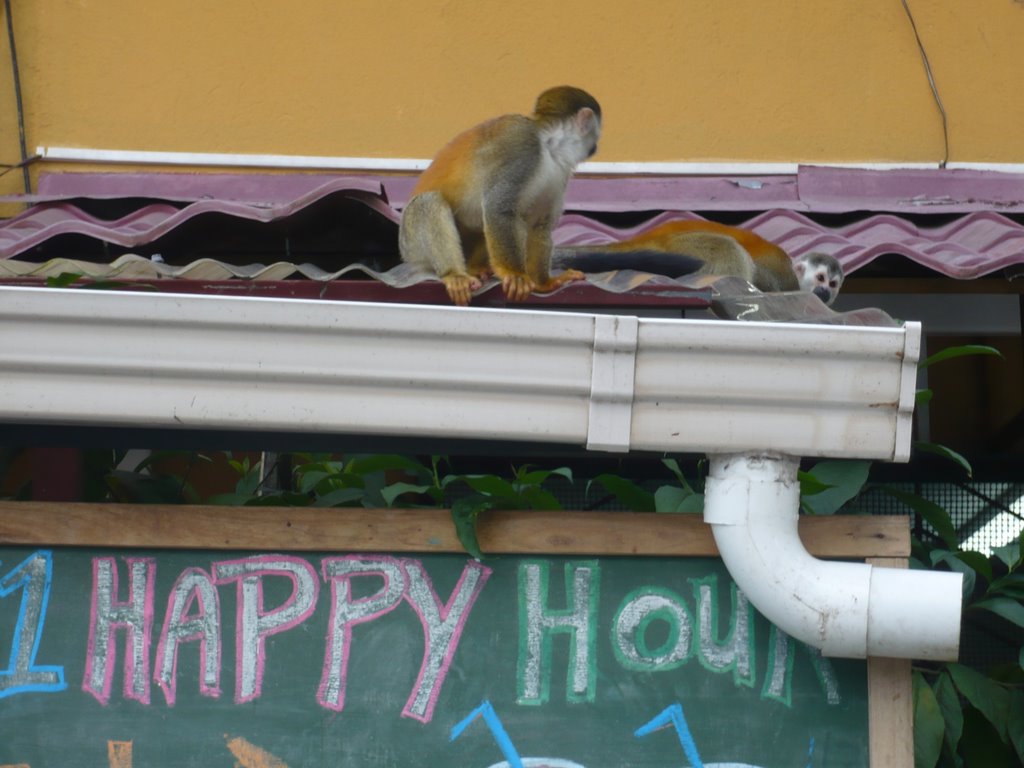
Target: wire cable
pixel 17 97
pixel 931 82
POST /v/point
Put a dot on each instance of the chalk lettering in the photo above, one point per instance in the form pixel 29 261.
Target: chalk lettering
pixel 736 652
pixel 33 576
pixel 638 611
pixel 107 615
pixel 347 612
pixel 194 586
pixel 442 627
pixel 778 684
pixel 253 623
pixel 538 624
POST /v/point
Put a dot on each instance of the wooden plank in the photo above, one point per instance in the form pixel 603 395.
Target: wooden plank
pixel 890 702
pixel 415 530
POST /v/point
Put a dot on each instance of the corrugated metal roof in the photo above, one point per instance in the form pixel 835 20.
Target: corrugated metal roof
pixel 983 236
pixel 973 245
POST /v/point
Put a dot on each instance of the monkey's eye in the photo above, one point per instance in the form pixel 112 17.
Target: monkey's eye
pixel 832 283
pixel 820 278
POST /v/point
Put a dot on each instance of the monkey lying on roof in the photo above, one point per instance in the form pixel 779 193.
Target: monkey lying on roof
pixel 679 248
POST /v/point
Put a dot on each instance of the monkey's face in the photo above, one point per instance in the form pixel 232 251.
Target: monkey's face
pixel 821 274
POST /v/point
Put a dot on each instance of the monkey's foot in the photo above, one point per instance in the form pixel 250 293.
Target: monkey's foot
pixel 460 288
pixel 568 276
pixel 517 287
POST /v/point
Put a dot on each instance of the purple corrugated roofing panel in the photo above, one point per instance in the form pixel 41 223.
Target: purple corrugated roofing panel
pixel 259 189
pixel 829 190
pixel 975 245
pixel 683 193
pixel 59 216
pixel 978 243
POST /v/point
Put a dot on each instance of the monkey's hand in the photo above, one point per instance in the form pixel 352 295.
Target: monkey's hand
pixel 460 288
pixel 567 276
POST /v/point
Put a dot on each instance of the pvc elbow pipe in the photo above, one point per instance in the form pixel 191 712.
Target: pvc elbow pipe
pixel 851 610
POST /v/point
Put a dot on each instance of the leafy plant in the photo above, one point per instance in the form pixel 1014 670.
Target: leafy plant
pixel 678 498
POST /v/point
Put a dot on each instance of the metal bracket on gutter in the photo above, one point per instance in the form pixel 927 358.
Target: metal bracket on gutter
pixel 908 394
pixel 611 383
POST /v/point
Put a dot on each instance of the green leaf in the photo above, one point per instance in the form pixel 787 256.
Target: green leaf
pixel 310 480
pixel 937 517
pixel 628 493
pixel 250 483
pixel 490 485
pixel 977 561
pixel 946 453
pixel 1011 585
pixel 963 350
pixel 810 485
pixel 1010 553
pixel 63 280
pixel 385 461
pixel 465 514
pixel 923 396
pixel 671 498
pixel 538 498
pixel 1015 727
pixel 985 695
pixel 338 497
pixel 982 746
pixel 929 727
pixel 673 467
pixel 846 479
pixel 393 491
pixel 538 476
pixel 952 714
pixel 1010 609
pixel 955 564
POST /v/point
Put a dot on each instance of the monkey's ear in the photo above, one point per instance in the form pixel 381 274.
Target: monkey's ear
pixel 800 267
pixel 585 119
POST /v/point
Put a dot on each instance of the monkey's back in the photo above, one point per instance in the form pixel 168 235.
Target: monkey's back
pixel 461 169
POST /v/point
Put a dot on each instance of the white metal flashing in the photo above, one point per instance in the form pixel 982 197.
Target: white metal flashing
pixel 70 356
pixel 384 164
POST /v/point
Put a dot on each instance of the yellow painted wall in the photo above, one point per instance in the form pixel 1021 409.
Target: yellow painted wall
pixel 679 80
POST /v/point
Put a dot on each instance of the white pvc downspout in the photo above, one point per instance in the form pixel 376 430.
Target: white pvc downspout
pixel 852 610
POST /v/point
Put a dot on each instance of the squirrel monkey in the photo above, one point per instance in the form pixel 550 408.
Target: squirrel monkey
pixel 678 248
pixel 490 198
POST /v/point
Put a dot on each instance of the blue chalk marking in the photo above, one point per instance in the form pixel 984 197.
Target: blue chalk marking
pixel 22 673
pixel 486 711
pixel 810 754
pixel 673 715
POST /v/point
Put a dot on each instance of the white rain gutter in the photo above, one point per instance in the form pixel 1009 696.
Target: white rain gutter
pixel 765 392
pixel 405 164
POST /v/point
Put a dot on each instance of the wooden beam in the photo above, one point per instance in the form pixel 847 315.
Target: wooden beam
pixel 414 530
pixel 890 703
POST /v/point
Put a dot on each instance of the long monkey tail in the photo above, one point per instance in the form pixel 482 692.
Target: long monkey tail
pixel 642 260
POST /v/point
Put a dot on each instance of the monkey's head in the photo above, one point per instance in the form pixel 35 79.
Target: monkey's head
pixel 565 103
pixel 819 273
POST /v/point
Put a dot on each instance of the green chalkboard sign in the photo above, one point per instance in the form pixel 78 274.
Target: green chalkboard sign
pixel 263 659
